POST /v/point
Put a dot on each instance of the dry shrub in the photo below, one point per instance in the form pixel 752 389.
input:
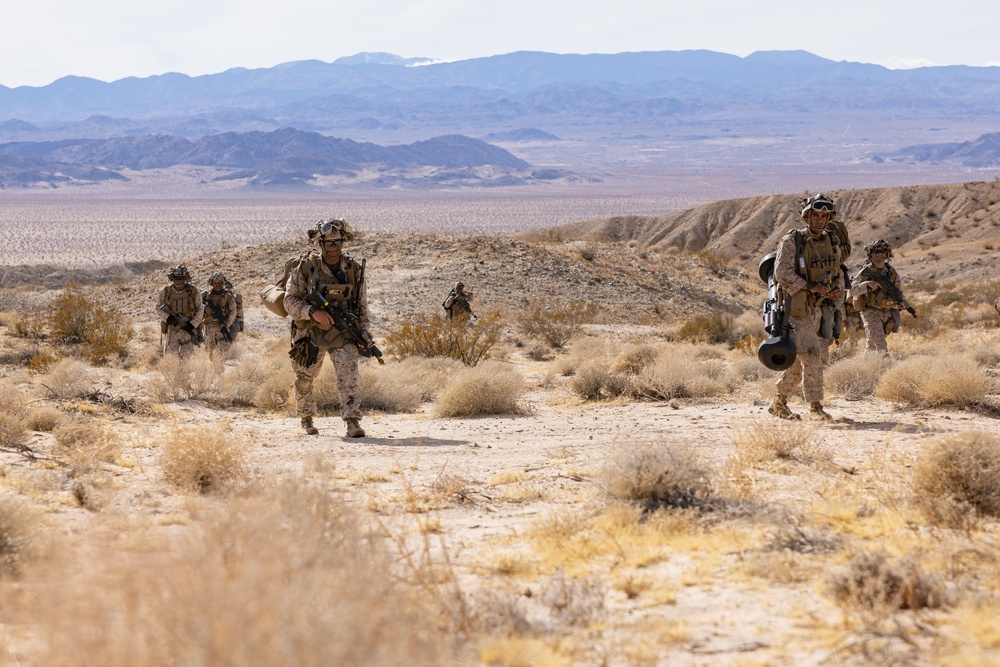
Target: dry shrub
pixel 203 459
pixel 13 426
pixel 388 388
pixel 957 474
pixel 595 380
pixel 574 601
pixel 8 318
pixel 289 576
pixel 655 475
pixel 679 373
pixel 259 380
pixel 28 326
pixel 554 321
pixel 20 526
pixel 876 587
pixel 582 350
pixel 712 328
pixel 184 378
pixel 935 381
pixel 490 389
pixel 44 418
pixel 103 329
pixel 70 378
pixel 772 439
pixel 855 378
pixel 87 445
pixel 437 336
pixel 634 359
pixel 748 324
pixel 428 375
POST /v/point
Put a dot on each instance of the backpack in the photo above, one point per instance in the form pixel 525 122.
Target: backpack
pixel 273 295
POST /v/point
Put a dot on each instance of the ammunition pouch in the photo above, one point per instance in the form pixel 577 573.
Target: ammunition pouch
pixel 800 304
pixel 304 353
pixel 163 326
pixel 896 317
pixel 826 321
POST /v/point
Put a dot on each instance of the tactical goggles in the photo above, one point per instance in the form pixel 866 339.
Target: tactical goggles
pixel 821 206
pixel 329 226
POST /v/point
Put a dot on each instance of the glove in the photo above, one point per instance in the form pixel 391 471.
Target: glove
pixel 304 353
pixel 172 320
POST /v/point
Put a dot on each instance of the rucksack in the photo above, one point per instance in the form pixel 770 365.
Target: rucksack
pixel 273 295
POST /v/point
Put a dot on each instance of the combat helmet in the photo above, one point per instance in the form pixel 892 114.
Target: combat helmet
pixel 331 229
pixel 878 245
pixel 179 271
pixel 217 276
pixel 818 202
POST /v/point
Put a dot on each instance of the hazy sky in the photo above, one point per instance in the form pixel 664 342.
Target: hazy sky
pixel 43 40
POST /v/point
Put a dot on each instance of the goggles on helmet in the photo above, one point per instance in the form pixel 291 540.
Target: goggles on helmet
pixel 818 203
pixel 331 226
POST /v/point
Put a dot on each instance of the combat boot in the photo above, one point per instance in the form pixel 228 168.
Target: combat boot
pixel 307 426
pixel 354 429
pixel 817 412
pixel 779 408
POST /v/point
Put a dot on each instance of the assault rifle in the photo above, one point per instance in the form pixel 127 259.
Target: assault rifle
pixel 217 312
pixel 173 319
pixel 891 290
pixel 778 351
pixel 346 322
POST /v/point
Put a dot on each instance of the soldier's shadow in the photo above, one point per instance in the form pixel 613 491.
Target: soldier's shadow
pixel 417 441
pixel 897 427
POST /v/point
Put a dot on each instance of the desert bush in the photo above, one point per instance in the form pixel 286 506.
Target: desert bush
pixel 69 378
pixel 556 322
pixel 286 576
pixel 388 388
pixel 20 526
pixel 679 373
pixel 489 389
pixel 855 378
pixel 429 375
pixel 957 474
pixel 261 380
pixel 876 587
pixel 772 439
pixel 28 326
pixel 44 418
pixel 574 601
pixel 103 330
pixel 191 377
pixel 712 328
pixel 634 359
pixel 87 445
pixel 935 381
pixel 595 380
pixel 8 318
pixel 13 426
pixel 582 350
pixel 438 336
pixel 203 459
pixel 657 475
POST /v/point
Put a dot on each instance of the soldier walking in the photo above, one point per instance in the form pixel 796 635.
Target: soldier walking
pixel 238 326
pixel 337 277
pixel 876 294
pixel 220 315
pixel 457 304
pixel 181 311
pixel 807 267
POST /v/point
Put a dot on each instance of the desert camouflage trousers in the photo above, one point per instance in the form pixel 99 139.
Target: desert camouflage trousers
pixel 876 320
pixel 345 366
pixel 179 342
pixel 812 354
pixel 215 342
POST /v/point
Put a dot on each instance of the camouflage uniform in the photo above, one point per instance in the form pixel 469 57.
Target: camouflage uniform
pixel 879 311
pixel 176 306
pixel 336 284
pixel 237 327
pixel 215 339
pixel 819 262
pixel 457 304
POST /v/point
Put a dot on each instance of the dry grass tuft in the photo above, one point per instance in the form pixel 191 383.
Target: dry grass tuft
pixel 875 587
pixel 958 475
pixel 388 388
pixel 19 528
pixel 13 426
pixel 489 389
pixel 180 379
pixel 287 576
pixel 87 445
pixel 69 378
pixel 45 419
pixel 657 476
pixel 595 380
pixel 554 321
pixel 680 372
pixel 772 439
pixel 935 381
pixel 204 460
pixel 855 378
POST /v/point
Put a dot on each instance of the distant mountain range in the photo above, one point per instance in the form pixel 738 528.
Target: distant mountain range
pixel 784 102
